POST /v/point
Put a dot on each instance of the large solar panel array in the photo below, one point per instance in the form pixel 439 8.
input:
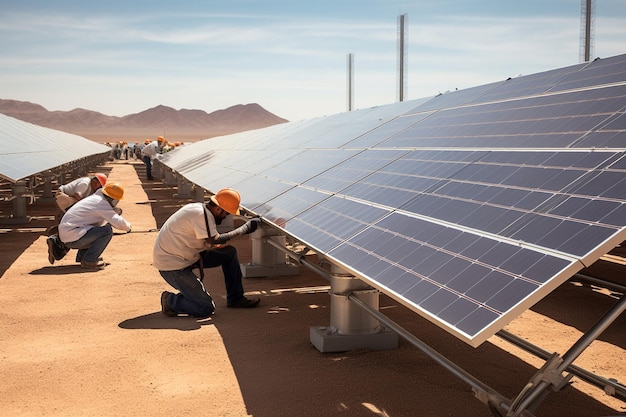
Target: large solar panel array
pixel 468 207
pixel 28 149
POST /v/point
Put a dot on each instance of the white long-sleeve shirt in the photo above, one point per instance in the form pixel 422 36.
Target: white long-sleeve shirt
pixel 80 186
pixel 91 211
pixel 151 149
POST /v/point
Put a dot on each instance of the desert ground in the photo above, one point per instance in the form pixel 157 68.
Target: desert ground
pixel 94 343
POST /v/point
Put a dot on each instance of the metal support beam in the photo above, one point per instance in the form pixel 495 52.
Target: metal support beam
pixel 168 177
pixel 198 194
pixel 18 204
pixel 267 260
pixel 610 386
pixel 550 375
pixel 157 169
pixel 611 286
pixel 47 194
pixel 351 327
pixel 184 189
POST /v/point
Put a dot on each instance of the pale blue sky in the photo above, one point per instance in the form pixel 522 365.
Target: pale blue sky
pixel 123 57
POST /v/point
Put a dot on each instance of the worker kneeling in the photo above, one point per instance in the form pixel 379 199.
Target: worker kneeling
pixel 87 225
pixel 189 239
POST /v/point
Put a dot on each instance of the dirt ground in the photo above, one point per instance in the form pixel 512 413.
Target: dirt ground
pixel 94 343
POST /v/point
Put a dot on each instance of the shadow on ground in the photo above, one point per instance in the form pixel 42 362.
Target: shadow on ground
pixel 157 321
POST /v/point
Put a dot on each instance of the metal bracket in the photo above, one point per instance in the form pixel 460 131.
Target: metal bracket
pixel 548 375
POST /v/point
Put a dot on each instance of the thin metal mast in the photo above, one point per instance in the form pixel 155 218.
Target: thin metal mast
pixel 587 29
pixel 402 56
pixel 350 82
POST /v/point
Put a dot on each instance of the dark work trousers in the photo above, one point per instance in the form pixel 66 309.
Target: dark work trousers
pixel 193 298
pixel 148 161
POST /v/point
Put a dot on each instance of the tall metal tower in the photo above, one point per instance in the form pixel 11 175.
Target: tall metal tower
pixel 587 29
pixel 403 22
pixel 350 82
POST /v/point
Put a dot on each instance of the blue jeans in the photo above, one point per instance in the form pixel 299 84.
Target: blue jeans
pixel 146 160
pixel 193 298
pixel 92 244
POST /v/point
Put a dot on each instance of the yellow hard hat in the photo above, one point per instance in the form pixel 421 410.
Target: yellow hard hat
pixel 113 190
pixel 227 199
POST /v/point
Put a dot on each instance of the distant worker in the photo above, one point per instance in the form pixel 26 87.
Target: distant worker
pixel 149 152
pixel 68 194
pixel 188 240
pixel 87 226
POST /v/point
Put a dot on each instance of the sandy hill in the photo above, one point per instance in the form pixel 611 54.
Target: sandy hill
pixel 184 124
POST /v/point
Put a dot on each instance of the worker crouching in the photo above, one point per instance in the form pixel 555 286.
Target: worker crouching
pixel 88 224
pixel 189 239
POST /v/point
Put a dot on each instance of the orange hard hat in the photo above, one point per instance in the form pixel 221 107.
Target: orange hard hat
pixel 113 190
pixel 227 199
pixel 102 179
pixel 161 139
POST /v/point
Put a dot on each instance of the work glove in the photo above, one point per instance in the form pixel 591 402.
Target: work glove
pixel 251 225
pixel 248 227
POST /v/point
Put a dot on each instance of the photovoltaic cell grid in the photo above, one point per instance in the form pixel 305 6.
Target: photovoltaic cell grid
pixel 468 207
pixel 35 149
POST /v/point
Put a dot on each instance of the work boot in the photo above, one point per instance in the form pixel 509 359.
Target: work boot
pixel 165 307
pixel 99 264
pixel 244 303
pixel 50 243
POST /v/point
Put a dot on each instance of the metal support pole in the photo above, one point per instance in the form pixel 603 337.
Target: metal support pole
pixel 351 327
pixel 18 205
pixel 168 177
pixel 184 189
pixel 198 193
pixel 402 56
pixel 157 168
pixel 47 194
pixel 300 258
pixel 344 318
pixel 612 286
pixel 267 260
pixel 350 82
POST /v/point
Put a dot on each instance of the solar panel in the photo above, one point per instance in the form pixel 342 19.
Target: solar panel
pixel 34 149
pixel 599 72
pixel 468 207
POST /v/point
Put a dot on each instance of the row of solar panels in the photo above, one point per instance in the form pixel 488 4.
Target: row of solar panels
pixel 468 207
pixel 29 149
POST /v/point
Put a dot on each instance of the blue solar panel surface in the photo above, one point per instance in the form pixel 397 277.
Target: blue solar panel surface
pixel 468 207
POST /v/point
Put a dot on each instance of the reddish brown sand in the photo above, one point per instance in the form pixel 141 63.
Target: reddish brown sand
pixel 81 343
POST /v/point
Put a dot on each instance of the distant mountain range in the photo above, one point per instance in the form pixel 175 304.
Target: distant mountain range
pixel 185 125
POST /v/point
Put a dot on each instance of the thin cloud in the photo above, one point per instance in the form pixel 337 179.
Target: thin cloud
pixel 118 61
